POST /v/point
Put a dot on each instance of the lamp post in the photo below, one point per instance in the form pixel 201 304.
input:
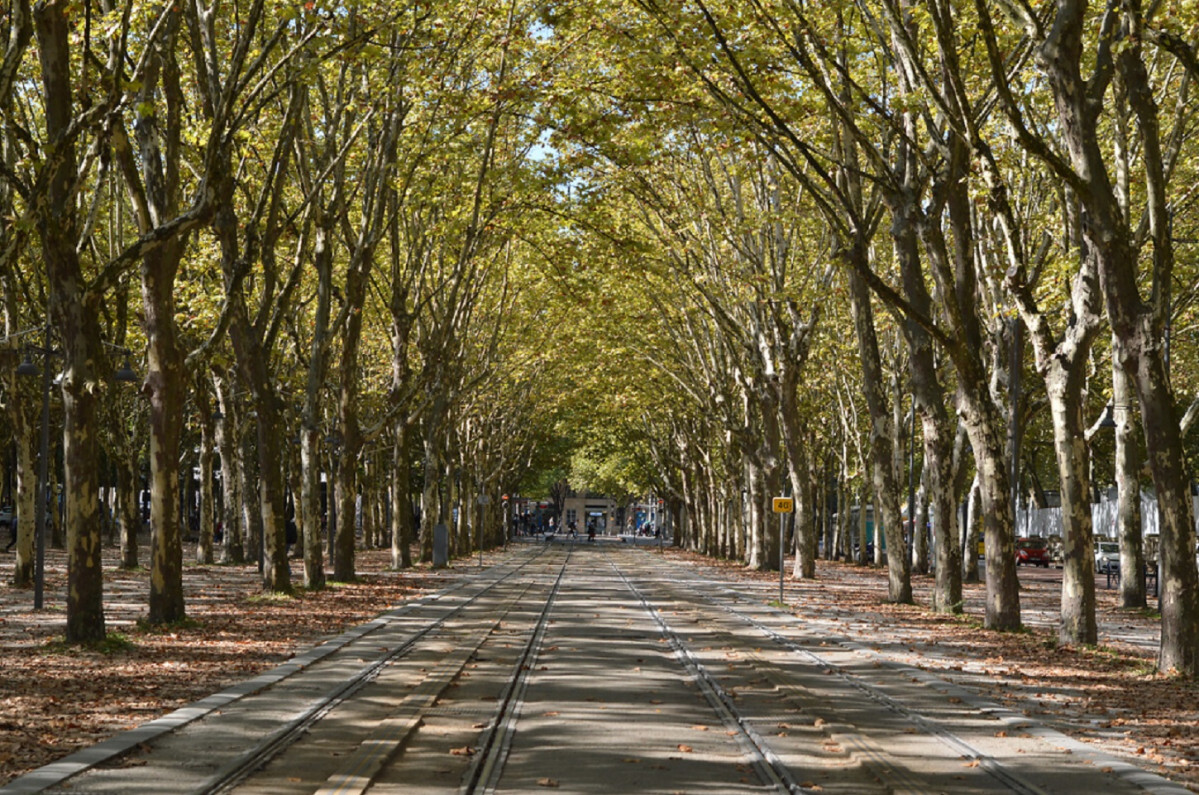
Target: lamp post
pixel 41 497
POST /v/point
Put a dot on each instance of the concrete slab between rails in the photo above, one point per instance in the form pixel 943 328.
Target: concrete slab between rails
pixel 72 765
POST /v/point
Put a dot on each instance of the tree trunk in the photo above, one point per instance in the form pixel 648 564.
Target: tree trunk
pixel 369 502
pixel 74 318
pixel 250 490
pixel 25 521
pixel 882 443
pixel 970 532
pixel 755 553
pixel 1078 576
pixel 56 508
pixel 1128 486
pixel 348 383
pixel 264 497
pixel 805 527
pixel 129 510
pixel 798 467
pixel 1062 362
pixel 1179 581
pixel 347 508
pixel 431 504
pixel 401 514
pixel 844 544
pixel 310 511
pixel 85 608
pixel 276 575
pixel 165 384
pixel 987 438
pixel 295 507
pixel 204 550
pixel 232 478
pixel 863 496
pixel 164 391
pixel 920 531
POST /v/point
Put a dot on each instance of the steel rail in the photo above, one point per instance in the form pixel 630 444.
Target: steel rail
pixel 989 764
pixel 770 769
pixel 245 763
pixel 360 768
pixel 488 765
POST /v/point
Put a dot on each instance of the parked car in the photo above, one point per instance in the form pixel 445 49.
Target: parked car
pixel 1107 556
pixel 8 516
pixel 1032 552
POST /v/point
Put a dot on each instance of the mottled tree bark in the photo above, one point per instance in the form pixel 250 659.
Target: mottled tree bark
pixel 987 438
pixel 882 443
pixel 204 545
pixel 130 513
pixel 74 315
pixel 1062 361
pixel 1137 324
pixel 310 434
pixel 229 451
pixel 1128 488
pixel 24 437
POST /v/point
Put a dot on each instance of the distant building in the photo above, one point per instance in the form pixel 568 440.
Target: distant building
pixel 581 508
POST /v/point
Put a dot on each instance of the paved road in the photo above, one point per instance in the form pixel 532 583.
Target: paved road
pixel 594 668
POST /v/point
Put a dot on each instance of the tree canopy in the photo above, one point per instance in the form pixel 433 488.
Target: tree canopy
pixel 377 261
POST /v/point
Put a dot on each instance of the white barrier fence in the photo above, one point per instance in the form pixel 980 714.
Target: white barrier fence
pixel 1048 521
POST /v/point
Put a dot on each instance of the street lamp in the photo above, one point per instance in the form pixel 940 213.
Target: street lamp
pixel 41 496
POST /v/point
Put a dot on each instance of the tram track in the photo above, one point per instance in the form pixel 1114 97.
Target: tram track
pixel 758 753
pixel 1000 772
pixel 485 772
pixel 898 780
pixel 376 644
pixel 359 767
pixel 549 670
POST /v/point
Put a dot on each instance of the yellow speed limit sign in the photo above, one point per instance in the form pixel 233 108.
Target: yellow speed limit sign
pixel 784 505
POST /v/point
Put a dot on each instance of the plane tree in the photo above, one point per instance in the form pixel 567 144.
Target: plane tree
pixel 1096 62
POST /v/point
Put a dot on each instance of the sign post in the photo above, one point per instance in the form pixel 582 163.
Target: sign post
pixel 782 506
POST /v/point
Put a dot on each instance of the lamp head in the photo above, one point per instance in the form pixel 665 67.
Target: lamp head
pixel 27 367
pixel 126 374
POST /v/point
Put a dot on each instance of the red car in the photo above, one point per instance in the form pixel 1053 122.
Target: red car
pixel 1032 552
